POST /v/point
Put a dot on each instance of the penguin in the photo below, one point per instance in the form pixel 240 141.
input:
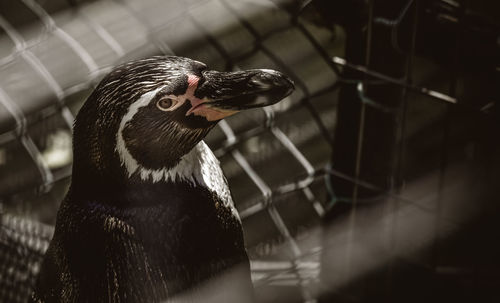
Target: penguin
pixel 148 216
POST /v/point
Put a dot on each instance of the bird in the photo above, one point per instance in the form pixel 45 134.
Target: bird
pixel 148 216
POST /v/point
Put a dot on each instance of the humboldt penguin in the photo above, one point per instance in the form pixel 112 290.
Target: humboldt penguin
pixel 149 216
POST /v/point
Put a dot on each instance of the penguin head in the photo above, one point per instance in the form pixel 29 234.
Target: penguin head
pixel 148 114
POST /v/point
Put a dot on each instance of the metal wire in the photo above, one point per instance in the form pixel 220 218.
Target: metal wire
pixel 232 143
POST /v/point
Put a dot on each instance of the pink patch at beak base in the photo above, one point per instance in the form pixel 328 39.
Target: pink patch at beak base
pixel 198 106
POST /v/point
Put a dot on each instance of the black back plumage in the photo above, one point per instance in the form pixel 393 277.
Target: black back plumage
pixel 112 254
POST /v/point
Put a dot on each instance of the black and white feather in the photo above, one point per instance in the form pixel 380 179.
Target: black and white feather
pixel 149 215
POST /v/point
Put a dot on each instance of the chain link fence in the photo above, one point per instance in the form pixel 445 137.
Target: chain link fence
pixel 276 159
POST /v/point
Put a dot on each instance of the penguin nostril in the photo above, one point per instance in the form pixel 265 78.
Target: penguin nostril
pixel 261 81
pixel 269 81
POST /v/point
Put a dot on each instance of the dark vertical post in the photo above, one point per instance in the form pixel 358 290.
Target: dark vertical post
pixel 365 143
pixel 379 138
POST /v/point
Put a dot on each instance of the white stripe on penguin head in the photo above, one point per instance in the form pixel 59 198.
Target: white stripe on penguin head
pixel 125 157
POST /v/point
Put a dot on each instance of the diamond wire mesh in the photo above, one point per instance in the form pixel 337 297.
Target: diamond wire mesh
pixel 33 52
pixel 65 56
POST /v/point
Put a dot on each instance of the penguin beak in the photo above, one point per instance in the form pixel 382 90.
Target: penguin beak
pixel 230 92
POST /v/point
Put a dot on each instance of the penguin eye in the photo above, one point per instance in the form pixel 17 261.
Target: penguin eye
pixel 165 104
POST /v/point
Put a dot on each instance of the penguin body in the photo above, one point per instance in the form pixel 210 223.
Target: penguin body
pixel 149 216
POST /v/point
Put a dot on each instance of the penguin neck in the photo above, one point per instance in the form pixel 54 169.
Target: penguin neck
pixel 191 167
pixel 199 169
